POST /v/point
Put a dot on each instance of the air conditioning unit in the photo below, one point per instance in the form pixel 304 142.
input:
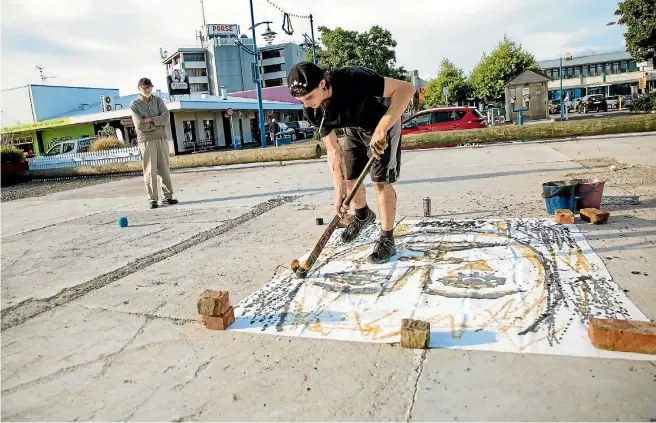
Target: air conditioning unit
pixel 107 103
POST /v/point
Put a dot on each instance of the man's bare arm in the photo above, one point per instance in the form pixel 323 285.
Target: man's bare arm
pixel 335 163
pixel 400 93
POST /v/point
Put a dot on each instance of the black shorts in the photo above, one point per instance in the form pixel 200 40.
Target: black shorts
pixel 387 169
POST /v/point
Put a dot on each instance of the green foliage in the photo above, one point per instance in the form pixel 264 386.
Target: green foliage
pixel 373 49
pixel 448 76
pixel 108 131
pixel 415 104
pixel 106 143
pixel 639 16
pixel 644 104
pixel 11 154
pixel 495 70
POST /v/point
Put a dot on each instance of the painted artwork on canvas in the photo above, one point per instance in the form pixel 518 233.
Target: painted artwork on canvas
pixel 522 285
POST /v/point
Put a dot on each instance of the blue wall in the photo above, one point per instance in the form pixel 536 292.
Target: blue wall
pixel 293 55
pixel 50 101
pixel 233 68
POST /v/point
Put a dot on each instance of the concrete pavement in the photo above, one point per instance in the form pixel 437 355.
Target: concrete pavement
pixel 100 323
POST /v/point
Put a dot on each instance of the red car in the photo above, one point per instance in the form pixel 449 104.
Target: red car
pixel 443 119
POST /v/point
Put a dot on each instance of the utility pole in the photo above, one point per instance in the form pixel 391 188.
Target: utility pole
pixel 201 34
pixel 43 77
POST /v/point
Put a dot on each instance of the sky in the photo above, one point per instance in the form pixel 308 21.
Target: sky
pixel 113 43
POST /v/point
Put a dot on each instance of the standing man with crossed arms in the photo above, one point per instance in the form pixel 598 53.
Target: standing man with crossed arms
pixel 150 116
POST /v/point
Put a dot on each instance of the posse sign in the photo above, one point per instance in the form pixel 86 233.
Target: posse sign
pixel 221 30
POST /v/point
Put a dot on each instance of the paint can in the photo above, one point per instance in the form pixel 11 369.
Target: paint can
pixel 123 221
pixel 427 206
pixel 319 221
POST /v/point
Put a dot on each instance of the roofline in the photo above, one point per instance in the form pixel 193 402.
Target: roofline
pixel 227 104
pixel 437 109
pixel 181 50
pixel 15 88
pixel 67 86
pixel 586 56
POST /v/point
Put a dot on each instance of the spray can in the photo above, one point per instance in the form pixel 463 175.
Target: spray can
pixel 427 206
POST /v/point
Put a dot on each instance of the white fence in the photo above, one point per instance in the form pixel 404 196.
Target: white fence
pixel 118 155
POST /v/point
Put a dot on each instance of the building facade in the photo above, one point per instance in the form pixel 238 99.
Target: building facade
pixel 27 105
pixel 226 62
pixel 197 120
pixel 606 74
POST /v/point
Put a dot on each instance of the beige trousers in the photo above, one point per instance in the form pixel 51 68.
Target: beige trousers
pixel 155 155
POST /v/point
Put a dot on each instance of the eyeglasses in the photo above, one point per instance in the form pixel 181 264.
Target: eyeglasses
pixel 146 87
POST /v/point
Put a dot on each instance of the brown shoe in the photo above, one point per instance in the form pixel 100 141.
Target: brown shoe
pixel 344 221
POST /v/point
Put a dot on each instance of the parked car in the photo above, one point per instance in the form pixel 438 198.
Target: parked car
pixel 611 101
pixel 302 130
pixel 285 131
pixel 444 119
pixel 79 145
pixel 627 100
pixel 307 128
pixel 614 101
pixel 554 106
pixel 595 102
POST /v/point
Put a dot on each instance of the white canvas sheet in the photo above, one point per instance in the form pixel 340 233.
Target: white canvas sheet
pixel 523 285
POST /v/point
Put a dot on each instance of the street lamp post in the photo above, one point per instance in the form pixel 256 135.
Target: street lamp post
pixel 314 44
pixel 560 74
pixel 258 81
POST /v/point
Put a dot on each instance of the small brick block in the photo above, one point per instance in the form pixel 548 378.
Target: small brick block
pixel 595 216
pixel 213 303
pixel 623 335
pixel 220 322
pixel 564 217
pixel 415 333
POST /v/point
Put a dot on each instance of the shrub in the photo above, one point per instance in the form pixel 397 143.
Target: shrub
pixel 12 154
pixel 553 130
pixel 106 143
pixel 644 103
pixel 108 131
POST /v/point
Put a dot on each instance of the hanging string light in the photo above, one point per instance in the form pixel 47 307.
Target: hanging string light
pixel 288 14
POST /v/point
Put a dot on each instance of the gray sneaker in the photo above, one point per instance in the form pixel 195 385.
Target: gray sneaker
pixel 383 251
pixel 353 229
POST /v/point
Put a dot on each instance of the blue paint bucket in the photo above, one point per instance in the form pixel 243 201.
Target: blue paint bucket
pixel 559 195
pixel 123 221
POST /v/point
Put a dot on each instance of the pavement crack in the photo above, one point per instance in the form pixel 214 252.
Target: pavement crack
pixel 19 313
pixel 193 416
pixel 151 315
pixel 202 367
pixel 138 406
pixel 130 341
pixel 419 369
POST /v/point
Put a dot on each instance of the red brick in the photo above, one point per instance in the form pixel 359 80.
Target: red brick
pixel 564 217
pixel 213 303
pixel 623 335
pixel 595 216
pixel 220 322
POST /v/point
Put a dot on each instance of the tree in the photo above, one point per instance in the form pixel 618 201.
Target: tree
pixel 448 76
pixel 373 49
pixel 639 16
pixel 494 71
pixel 415 104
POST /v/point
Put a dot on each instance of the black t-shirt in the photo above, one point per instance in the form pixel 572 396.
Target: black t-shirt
pixel 356 102
pixel 274 128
